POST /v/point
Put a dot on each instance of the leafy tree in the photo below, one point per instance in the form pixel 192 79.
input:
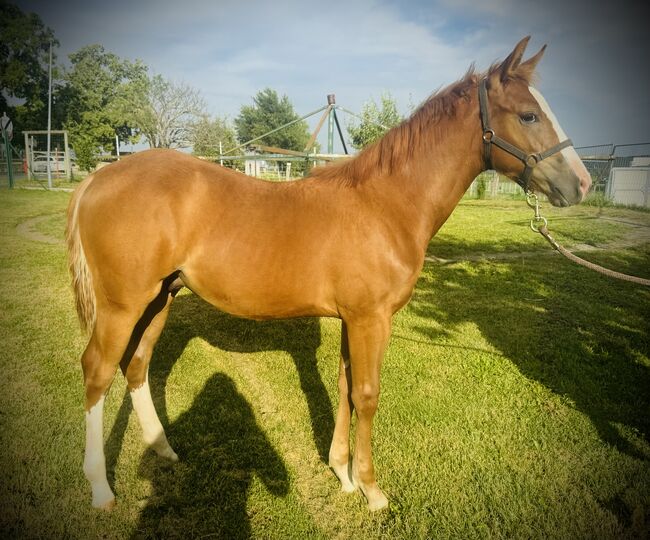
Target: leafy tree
pixel 167 112
pixel 375 121
pixel 97 98
pixel 268 112
pixel 207 133
pixel 24 58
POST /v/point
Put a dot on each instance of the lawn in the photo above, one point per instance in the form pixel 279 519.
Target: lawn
pixel 515 397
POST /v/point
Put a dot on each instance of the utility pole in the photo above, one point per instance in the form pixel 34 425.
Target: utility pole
pixel 7 134
pixel 49 122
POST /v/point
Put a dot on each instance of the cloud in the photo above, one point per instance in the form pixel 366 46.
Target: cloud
pixel 594 73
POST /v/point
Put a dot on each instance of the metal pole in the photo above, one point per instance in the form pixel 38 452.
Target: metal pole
pixel 68 165
pixel 338 127
pixel 312 139
pixel 220 153
pixel 347 111
pixel 5 137
pixel 49 121
pixel 276 129
pixel 31 156
pixel 27 157
pixel 117 146
pixel 331 100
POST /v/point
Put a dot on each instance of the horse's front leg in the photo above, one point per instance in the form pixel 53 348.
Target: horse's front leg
pixel 339 458
pixel 367 340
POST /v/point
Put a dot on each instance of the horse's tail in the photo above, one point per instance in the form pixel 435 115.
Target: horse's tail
pixel 82 279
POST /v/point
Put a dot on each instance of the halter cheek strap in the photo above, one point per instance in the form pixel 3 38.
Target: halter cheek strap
pixel 530 161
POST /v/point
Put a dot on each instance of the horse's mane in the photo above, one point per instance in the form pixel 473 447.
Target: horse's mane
pixel 391 152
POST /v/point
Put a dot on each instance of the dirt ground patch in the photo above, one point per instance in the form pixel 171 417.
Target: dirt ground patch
pixel 27 229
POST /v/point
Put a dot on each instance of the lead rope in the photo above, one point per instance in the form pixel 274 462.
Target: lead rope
pixel 539 224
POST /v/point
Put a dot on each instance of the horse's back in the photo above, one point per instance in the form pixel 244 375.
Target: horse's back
pixel 159 211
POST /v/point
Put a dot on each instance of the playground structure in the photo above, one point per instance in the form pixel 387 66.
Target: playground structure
pixel 308 155
pixel 36 156
pixel 35 162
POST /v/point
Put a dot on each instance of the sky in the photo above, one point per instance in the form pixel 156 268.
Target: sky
pixel 594 74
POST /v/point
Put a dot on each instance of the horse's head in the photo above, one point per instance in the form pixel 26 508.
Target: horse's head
pixel 523 138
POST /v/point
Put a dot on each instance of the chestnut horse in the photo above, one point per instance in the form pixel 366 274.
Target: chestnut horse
pixel 349 242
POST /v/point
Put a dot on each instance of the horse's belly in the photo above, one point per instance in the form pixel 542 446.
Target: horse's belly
pixel 245 294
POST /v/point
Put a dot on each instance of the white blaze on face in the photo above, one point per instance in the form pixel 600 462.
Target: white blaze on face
pixel 569 153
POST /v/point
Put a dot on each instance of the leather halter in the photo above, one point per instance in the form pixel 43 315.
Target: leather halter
pixel 530 161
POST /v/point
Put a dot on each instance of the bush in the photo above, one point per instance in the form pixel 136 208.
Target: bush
pixel 86 151
pixel 481 186
pixel 598 199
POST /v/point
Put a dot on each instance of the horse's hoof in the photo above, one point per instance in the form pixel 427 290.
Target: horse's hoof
pixel 348 487
pixel 103 496
pixel 106 506
pixel 375 496
pixel 343 474
pixel 377 502
pixel 170 455
pixel 165 451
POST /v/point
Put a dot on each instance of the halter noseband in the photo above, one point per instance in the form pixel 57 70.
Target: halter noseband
pixel 530 161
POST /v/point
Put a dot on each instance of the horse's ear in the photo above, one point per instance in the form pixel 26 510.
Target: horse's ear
pixel 510 64
pixel 527 69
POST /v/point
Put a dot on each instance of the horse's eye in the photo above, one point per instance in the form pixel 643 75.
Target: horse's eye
pixel 528 118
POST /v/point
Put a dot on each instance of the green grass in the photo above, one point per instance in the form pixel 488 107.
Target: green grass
pixel 40 182
pixel 515 399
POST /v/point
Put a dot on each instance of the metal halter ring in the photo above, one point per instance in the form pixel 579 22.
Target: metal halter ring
pixel 488 134
pixel 538 219
pixel 532 160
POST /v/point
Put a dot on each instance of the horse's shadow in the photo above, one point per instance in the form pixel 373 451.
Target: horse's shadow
pixel 593 360
pixel 221 448
pixel 191 317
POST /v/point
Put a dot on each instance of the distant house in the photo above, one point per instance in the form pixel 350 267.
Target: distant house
pixel 255 167
pixel 259 167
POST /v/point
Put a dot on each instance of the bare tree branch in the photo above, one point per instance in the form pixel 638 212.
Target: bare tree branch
pixel 168 112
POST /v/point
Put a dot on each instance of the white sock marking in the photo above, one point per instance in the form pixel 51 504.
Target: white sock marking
pixel 152 430
pixel 94 460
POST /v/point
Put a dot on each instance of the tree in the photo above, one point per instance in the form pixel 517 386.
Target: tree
pixel 167 112
pixel 268 112
pixel 207 133
pixel 98 100
pixel 375 121
pixel 24 59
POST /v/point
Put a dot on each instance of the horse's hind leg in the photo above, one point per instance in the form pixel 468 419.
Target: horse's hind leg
pixel 99 361
pixel 136 373
pixel 339 458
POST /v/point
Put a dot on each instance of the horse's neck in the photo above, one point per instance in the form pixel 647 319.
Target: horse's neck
pixel 439 172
